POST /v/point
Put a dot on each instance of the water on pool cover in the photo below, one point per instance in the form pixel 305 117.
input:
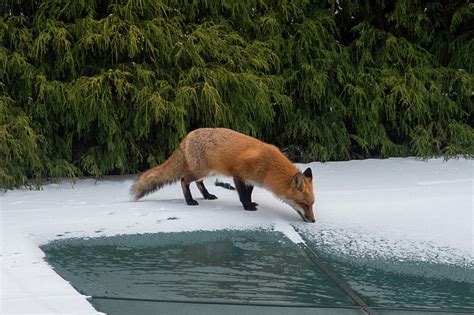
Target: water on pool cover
pixel 149 272
pixel 223 266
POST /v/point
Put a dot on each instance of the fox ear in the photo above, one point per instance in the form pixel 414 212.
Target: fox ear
pixel 297 181
pixel 308 174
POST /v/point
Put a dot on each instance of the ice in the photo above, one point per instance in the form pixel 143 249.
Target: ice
pixel 402 208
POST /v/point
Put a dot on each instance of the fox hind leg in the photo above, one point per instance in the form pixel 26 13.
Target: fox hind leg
pixel 187 192
pixel 204 192
pixel 244 194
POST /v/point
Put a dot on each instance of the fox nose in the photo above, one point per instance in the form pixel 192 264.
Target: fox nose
pixel 308 219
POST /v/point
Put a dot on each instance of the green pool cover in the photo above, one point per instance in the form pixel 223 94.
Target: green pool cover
pixel 248 272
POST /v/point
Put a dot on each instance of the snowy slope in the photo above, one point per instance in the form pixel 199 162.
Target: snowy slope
pixel 402 208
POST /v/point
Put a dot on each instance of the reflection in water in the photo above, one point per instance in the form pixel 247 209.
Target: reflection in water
pixel 245 266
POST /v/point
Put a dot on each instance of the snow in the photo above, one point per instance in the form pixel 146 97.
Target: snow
pixel 402 208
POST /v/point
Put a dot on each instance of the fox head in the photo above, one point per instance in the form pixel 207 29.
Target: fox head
pixel 300 195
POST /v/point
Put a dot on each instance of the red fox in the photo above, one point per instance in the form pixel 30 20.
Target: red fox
pixel 207 151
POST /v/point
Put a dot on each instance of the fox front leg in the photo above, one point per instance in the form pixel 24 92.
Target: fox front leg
pixel 244 195
pixel 249 193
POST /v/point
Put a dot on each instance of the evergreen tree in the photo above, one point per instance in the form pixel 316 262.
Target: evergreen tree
pixel 111 86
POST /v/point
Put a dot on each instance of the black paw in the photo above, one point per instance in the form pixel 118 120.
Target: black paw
pixel 211 197
pixel 192 202
pixel 254 204
pixel 250 207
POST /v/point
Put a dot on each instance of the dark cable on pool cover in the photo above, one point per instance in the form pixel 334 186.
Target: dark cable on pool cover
pixel 341 283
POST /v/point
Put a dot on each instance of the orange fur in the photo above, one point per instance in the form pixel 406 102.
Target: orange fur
pixel 206 151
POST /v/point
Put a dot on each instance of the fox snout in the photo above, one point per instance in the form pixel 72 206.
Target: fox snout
pixel 306 215
pixel 309 217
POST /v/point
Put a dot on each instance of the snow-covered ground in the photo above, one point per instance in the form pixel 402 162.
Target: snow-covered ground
pixel 398 208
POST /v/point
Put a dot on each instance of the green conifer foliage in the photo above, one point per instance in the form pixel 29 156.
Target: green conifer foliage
pixel 96 87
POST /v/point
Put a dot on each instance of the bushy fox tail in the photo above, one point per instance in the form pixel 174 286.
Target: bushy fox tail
pixel 166 173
